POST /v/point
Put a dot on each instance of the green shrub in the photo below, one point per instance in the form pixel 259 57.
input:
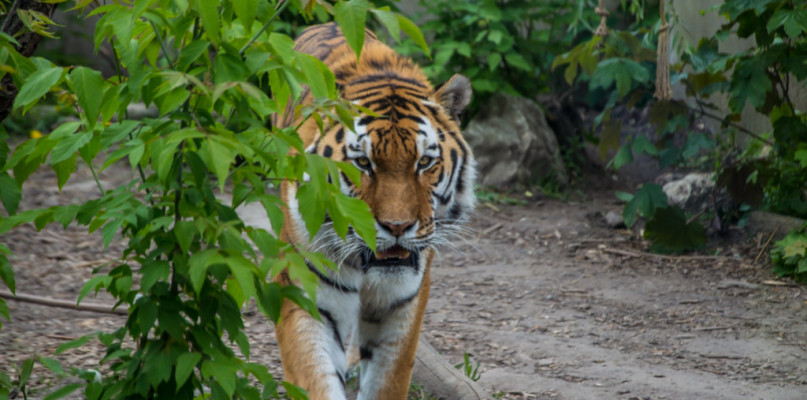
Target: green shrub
pixel 198 263
pixel 762 76
pixel 502 46
pixel 789 256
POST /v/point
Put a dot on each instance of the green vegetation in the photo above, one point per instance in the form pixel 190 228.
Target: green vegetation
pixel 789 255
pixel 203 65
pixel 770 172
pixel 218 70
pixel 502 46
pixel 468 368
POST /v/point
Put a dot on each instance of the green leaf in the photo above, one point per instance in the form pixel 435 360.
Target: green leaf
pixel 495 36
pixel 74 344
pixel 25 371
pixel 245 10
pixel 191 53
pixel 319 77
pixel 10 193
pixel 351 15
pixel 198 268
pixel 63 391
pixel 389 20
pixel 230 68
pixel 109 231
pixel 68 143
pixel 51 364
pixel 4 312
pixel 64 169
pixel 801 157
pixel 669 231
pixel 620 71
pixel 88 85
pixel 518 61
pixel 244 272
pixel 414 32
pixel 222 372
pixel 295 392
pixel 209 14
pixel 749 83
pixel 609 140
pixel 219 158
pixel 643 146
pixel 36 86
pixel 622 157
pixel 270 299
pixel 311 199
pixel 95 283
pixel 493 60
pixel 695 143
pixel 172 100
pixel 649 198
pixel 793 245
pixel 360 216
pixel 624 196
pixel 185 366
pixel 185 231
pixel 7 274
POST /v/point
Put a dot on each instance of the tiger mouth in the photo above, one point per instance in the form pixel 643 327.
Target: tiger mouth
pixel 395 256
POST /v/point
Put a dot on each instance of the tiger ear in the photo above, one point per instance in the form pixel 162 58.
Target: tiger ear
pixel 454 95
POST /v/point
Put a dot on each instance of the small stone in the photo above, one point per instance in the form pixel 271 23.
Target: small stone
pixel 614 220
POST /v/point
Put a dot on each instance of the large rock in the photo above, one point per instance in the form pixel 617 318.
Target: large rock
pixel 513 143
pixel 693 192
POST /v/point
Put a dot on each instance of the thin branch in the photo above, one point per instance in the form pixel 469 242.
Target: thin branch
pixel 735 125
pixel 162 44
pixel 278 10
pixel 10 15
pixel 95 176
pixel 46 301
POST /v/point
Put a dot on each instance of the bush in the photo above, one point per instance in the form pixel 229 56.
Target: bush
pixel 197 262
pixel 762 76
pixel 501 46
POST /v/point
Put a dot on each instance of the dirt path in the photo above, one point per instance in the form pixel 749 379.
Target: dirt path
pixel 552 304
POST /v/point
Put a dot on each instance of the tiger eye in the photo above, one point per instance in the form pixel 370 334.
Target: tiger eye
pixel 424 161
pixel 363 162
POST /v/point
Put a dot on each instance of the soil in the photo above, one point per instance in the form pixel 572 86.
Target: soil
pixel 551 302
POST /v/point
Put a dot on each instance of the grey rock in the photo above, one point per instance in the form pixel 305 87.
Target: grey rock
pixel 513 144
pixel 693 192
pixel 614 220
pixel 777 224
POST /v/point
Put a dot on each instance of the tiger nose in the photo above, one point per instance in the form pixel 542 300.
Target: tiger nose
pixel 396 228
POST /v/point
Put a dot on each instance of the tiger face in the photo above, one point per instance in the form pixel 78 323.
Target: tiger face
pixel 417 171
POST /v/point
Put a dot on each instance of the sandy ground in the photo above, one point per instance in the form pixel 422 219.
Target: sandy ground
pixel 550 302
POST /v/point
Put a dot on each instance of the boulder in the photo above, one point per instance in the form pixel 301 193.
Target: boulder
pixel 693 192
pixel 513 144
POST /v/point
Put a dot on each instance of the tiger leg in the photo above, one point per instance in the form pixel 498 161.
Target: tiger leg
pixel 388 335
pixel 313 352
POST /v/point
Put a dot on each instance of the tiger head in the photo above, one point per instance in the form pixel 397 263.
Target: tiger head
pixel 417 171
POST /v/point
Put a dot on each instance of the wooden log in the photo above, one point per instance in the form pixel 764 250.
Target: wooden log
pixel 440 379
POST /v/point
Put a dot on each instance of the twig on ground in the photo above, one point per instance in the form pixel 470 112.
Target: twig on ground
pixel 45 301
pixel 664 256
pixel 762 250
pixel 711 328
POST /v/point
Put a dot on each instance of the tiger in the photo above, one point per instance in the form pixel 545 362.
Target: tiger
pixel 417 177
